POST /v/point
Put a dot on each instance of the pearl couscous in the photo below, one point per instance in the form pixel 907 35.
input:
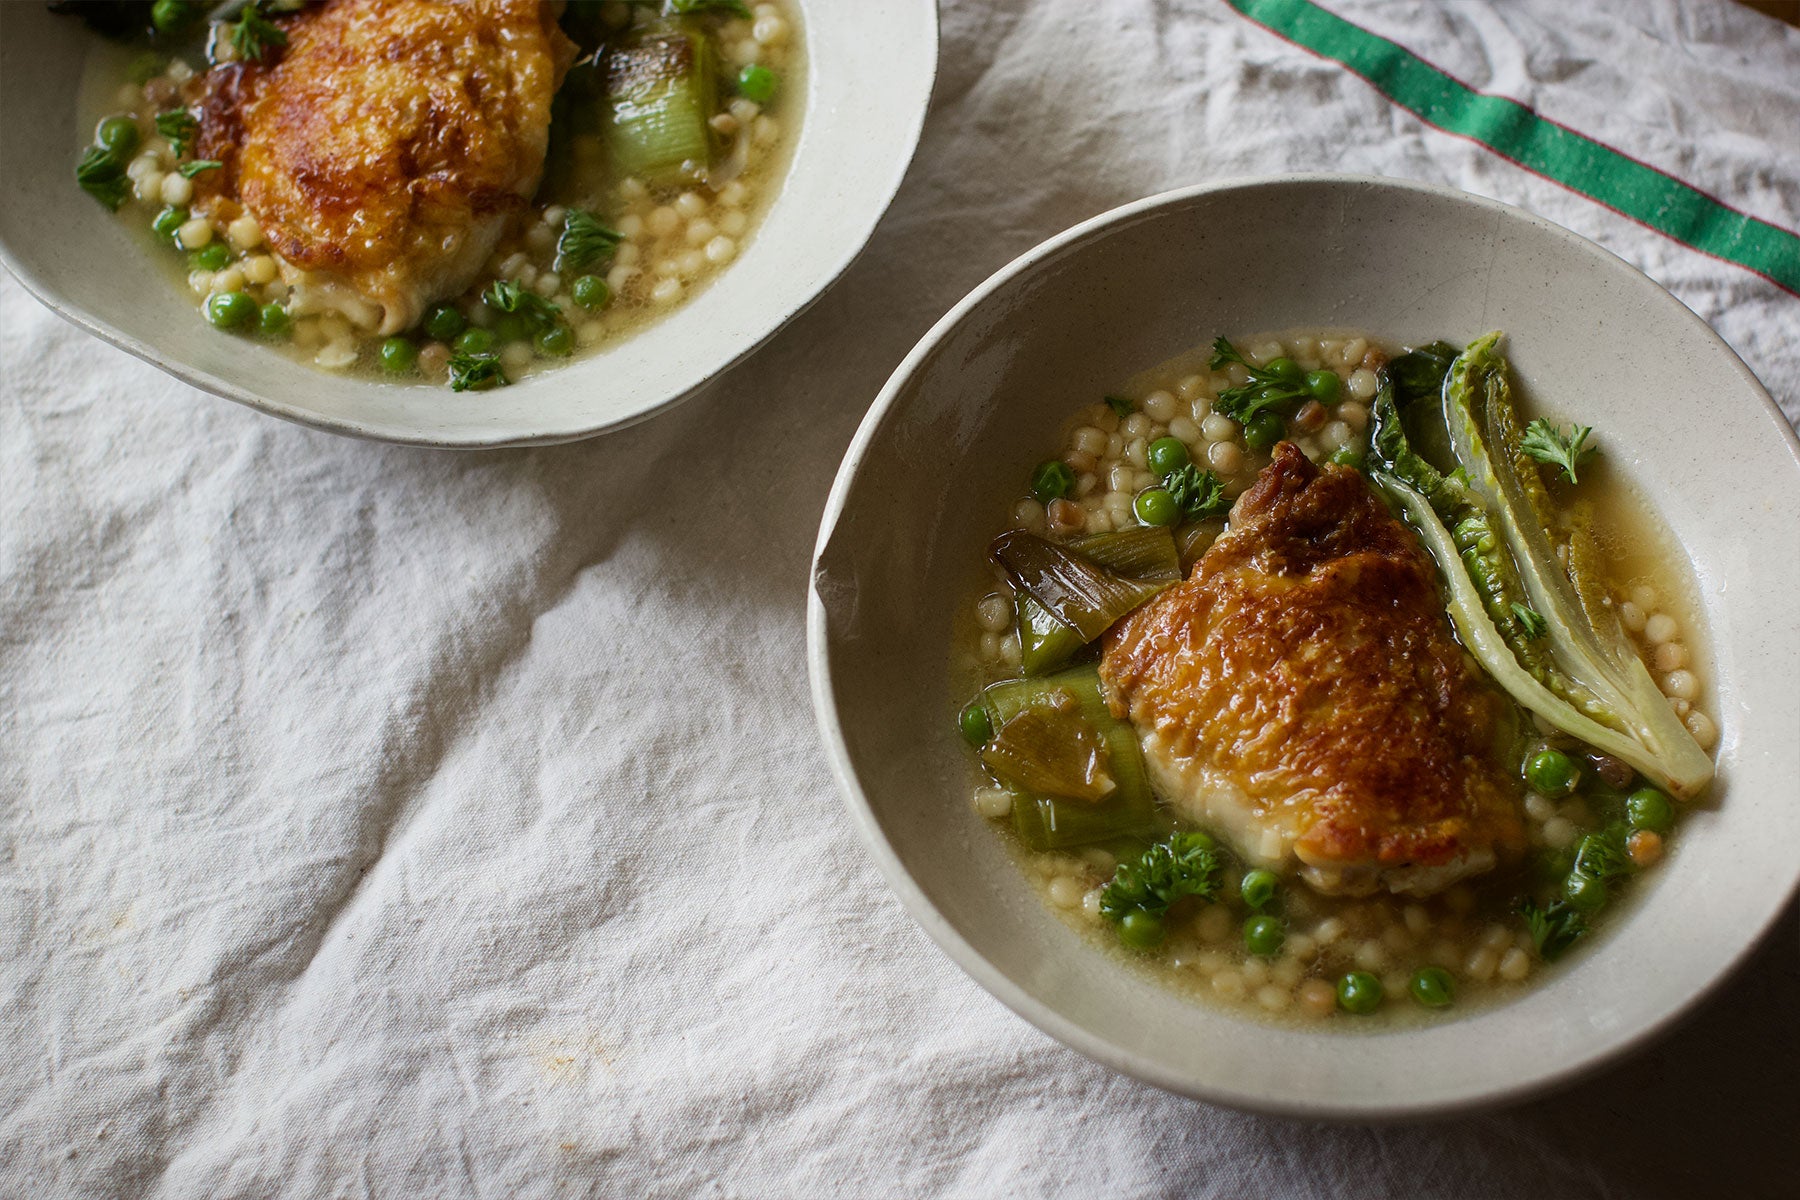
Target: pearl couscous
pixel 1258 940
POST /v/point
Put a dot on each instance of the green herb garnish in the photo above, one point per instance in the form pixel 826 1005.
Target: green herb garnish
pixel 1602 855
pixel 1201 494
pixel 685 8
pixel 1530 622
pixel 476 372
pixel 584 241
pixel 1554 928
pixel 1549 445
pixel 180 127
pixel 190 169
pixel 1183 864
pixel 101 177
pixel 1267 389
pixel 254 35
pixel 509 297
pixel 1122 405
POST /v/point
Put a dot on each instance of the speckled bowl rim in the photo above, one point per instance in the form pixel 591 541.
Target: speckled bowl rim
pixel 938 927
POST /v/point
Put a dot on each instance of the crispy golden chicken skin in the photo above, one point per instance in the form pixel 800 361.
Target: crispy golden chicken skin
pixel 384 149
pixel 1302 693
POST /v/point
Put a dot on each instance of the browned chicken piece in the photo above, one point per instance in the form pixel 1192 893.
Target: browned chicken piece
pixel 384 149
pixel 1302 694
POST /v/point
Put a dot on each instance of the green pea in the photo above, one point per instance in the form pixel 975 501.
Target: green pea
pixel 444 322
pixel 976 726
pixel 1324 386
pixel 1259 887
pixel 473 341
pixel 512 327
pixel 1347 456
pixel 591 292
pixel 171 16
pixel 1649 809
pixel 1140 930
pixel 757 83
pixel 1264 430
pixel 1263 936
pixel 1285 370
pixel 119 136
pixel 1551 773
pixel 229 310
pixel 1052 481
pixel 273 321
pixel 1167 454
pixel 399 356
pixel 1359 992
pixel 1154 506
pixel 1584 892
pixel 145 67
pixel 167 222
pixel 555 342
pixel 211 257
pixel 1433 987
pixel 1203 840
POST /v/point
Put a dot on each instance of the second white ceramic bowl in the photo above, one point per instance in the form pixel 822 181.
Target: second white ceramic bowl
pixel 981 399
pixel 868 79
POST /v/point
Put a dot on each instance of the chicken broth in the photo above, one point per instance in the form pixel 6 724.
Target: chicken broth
pixel 1227 912
pixel 614 237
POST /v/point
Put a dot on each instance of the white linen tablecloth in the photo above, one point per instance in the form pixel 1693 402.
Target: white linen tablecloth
pixel 393 822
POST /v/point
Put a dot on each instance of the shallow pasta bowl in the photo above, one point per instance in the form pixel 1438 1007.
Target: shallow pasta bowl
pixel 983 394
pixel 868 80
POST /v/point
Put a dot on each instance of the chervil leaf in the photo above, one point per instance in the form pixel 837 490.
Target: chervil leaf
pixel 101 177
pixel 1121 405
pixel 584 241
pixel 1602 855
pixel 191 169
pixel 254 35
pixel 476 372
pixel 1549 445
pixel 180 127
pixel 1264 391
pixel 1554 928
pixel 1201 494
pixel 508 296
pixel 1529 621
pixel 1183 864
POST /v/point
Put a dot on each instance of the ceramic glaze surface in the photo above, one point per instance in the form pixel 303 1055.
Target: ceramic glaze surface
pixel 969 412
pixel 868 81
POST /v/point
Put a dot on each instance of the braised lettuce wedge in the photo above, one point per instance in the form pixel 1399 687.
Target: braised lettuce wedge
pixel 1505 551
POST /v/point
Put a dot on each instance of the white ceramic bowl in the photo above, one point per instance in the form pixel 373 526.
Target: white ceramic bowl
pixel 981 398
pixel 868 81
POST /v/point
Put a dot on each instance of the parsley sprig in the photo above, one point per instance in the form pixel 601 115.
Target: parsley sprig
pixel 1183 864
pixel 1123 406
pixel 584 241
pixel 1549 445
pixel 180 127
pixel 1201 494
pixel 190 169
pixel 1554 928
pixel 1266 390
pixel 509 297
pixel 102 176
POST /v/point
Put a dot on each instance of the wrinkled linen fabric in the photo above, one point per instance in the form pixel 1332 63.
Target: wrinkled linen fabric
pixel 379 821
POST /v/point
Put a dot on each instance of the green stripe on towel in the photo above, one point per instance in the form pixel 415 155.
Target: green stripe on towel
pixel 1519 134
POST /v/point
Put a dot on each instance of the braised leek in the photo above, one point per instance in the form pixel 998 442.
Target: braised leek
pixel 661 90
